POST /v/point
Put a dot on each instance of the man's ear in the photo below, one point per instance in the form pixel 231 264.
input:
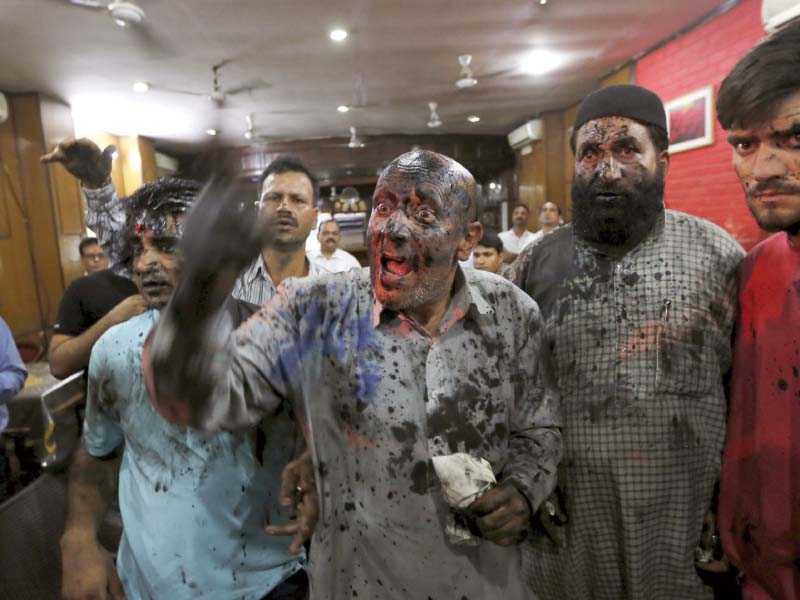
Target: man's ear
pixel 663 159
pixel 472 235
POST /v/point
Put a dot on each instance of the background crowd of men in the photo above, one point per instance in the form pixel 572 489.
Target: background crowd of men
pixel 250 382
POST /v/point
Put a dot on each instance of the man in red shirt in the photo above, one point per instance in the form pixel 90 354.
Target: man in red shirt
pixel 759 513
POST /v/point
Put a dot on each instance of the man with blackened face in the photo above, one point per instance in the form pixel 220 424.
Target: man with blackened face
pixel 759 517
pixel 387 368
pixel 178 488
pixel 638 306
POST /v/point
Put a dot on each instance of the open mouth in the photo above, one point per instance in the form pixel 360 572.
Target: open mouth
pixel 396 265
pixel 155 286
pixel 608 197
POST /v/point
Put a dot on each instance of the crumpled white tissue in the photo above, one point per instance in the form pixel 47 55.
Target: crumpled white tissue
pixel 464 479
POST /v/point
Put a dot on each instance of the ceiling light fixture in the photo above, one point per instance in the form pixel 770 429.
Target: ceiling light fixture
pixel 540 62
pixel 338 35
pixel 473 118
pixel 126 13
pixel 343 108
pixel 211 132
pixel 140 87
pixel 542 2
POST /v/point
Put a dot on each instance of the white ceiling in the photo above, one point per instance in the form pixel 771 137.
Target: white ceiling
pixel 403 51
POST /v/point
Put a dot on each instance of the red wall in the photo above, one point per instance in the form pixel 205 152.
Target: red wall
pixel 702 181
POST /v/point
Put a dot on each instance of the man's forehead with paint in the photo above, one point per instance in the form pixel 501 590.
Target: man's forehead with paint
pixel 424 177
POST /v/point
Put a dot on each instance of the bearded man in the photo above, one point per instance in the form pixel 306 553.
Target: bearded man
pixel 387 367
pixel 638 303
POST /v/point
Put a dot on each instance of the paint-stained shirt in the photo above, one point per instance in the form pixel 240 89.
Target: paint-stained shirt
pixel 192 502
pixel 380 397
pixel 639 346
pixel 759 518
pixel 254 285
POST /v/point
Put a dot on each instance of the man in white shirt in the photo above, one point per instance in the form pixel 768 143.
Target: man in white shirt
pixel 516 238
pixel 549 219
pixel 329 256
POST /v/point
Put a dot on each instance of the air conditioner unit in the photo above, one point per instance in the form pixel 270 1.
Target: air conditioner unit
pixel 531 131
pixel 775 13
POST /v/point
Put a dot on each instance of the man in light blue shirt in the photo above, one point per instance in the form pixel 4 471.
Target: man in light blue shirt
pixel 12 379
pixel 192 503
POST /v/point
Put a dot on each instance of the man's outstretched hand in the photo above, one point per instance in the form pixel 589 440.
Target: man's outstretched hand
pixel 220 239
pixel 299 494
pixel 84 160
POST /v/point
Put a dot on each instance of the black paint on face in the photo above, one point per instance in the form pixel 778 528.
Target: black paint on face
pixel 418 220
pixel 155 263
pixel 618 188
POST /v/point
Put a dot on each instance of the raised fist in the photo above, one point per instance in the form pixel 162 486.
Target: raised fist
pixel 84 160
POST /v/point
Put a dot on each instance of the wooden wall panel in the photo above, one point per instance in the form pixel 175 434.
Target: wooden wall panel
pixel 65 193
pixel 532 179
pixel 19 299
pixel 37 201
pixel 147 152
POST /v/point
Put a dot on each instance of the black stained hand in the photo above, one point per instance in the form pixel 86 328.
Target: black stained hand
pixel 84 160
pixel 220 239
pixel 299 494
pixel 502 515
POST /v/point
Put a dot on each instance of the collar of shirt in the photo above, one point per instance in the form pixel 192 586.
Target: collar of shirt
pixel 467 301
pixel 258 269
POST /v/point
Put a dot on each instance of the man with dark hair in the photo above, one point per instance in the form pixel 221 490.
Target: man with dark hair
pixel 89 307
pixel 759 515
pixel 516 238
pixel 287 202
pixel 191 502
pixel 549 219
pixel 638 306
pixel 488 254
pixel 93 257
pixel 386 369
pixel 329 256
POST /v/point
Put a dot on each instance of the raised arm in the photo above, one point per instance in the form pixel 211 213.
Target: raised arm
pixel 195 371
pixel 84 160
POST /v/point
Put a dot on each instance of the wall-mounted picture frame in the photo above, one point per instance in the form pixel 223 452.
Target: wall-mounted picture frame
pixel 690 120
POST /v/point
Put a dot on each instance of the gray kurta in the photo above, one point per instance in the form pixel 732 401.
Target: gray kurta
pixel 639 349
pixel 381 397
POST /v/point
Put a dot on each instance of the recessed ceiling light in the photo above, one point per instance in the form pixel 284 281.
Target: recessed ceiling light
pixel 343 108
pixel 540 62
pixel 140 87
pixel 473 118
pixel 338 35
pixel 211 131
pixel 542 2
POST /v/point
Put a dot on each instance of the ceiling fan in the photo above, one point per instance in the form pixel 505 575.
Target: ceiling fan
pixel 128 15
pixel 218 95
pixel 433 120
pixel 465 79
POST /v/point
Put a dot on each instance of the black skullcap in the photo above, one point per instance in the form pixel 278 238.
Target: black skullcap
pixel 630 101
